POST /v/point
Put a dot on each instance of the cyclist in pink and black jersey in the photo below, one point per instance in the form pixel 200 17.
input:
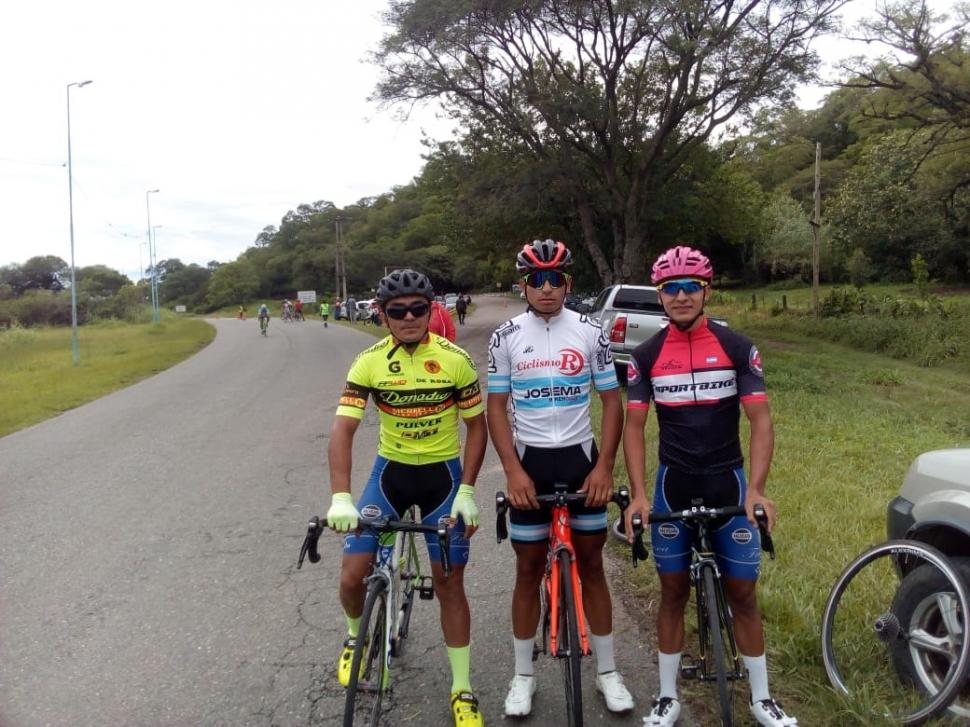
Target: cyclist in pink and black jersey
pixel 700 375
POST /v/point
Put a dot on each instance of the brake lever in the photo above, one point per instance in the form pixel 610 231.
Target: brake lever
pixel 767 544
pixel 501 507
pixel 639 550
pixel 444 549
pixel 314 528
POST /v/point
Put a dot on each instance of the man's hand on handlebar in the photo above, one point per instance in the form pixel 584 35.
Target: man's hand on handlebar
pixel 753 498
pixel 637 505
pixel 598 486
pixel 342 515
pixel 522 491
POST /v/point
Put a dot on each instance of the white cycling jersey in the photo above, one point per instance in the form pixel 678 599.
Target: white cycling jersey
pixel 550 370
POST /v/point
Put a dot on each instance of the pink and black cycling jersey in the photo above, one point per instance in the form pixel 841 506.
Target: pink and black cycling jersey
pixel 697 380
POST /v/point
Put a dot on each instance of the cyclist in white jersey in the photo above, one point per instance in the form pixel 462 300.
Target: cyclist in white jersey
pixel 547 361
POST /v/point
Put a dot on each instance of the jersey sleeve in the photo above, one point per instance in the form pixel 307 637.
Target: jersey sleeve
pixel 499 361
pixel 468 392
pixel 601 360
pixel 353 400
pixel 751 377
pixel 639 388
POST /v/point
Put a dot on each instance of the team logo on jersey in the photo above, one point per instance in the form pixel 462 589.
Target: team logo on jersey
pixel 370 511
pixel 529 349
pixel 671 365
pixel 711 359
pixel 394 367
pixel 754 361
pixel 571 362
pixel 432 367
pixel 741 536
pixel 632 372
pixel 668 530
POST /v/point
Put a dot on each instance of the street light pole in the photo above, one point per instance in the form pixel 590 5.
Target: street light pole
pixel 151 255
pixel 75 348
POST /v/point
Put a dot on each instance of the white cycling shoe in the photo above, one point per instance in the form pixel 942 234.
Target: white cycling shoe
pixel 663 713
pixel 518 703
pixel 614 691
pixel 769 712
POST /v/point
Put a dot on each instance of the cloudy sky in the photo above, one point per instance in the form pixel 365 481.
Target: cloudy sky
pixel 236 111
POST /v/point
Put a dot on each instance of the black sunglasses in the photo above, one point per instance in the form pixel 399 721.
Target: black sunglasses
pixel 399 312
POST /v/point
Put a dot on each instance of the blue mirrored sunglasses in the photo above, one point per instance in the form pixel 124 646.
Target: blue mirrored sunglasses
pixel 539 278
pixel 688 285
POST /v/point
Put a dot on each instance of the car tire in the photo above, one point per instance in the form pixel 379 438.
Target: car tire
pixel 916 606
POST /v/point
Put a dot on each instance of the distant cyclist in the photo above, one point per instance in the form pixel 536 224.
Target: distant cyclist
pixel 422 386
pixel 263 315
pixel 549 360
pixel 324 312
pixel 700 375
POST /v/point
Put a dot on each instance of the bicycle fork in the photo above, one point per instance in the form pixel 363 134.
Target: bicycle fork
pixel 699 668
pixel 552 596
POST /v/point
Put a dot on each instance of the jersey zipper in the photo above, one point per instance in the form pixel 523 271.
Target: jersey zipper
pixel 552 385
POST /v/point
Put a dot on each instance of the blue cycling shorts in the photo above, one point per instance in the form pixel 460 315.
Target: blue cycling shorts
pixel 737 543
pixel 394 487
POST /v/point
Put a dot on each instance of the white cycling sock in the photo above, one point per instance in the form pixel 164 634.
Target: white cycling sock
pixel 757 667
pixel 669 668
pixel 523 656
pixel 603 649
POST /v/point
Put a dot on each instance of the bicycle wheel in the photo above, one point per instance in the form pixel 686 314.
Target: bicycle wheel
pixel 570 650
pixel 896 647
pixel 716 654
pixel 409 573
pixel 368 670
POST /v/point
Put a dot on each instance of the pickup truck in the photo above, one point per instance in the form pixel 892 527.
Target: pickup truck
pixel 629 314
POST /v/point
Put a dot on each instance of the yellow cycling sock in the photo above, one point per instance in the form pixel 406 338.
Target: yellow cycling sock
pixel 353 626
pixel 460 658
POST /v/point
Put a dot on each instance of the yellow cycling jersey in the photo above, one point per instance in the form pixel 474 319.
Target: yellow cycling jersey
pixel 420 396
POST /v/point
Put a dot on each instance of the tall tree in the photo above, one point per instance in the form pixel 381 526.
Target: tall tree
pixel 613 94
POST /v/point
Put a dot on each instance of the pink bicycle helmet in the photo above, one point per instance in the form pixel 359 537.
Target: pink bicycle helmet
pixel 681 262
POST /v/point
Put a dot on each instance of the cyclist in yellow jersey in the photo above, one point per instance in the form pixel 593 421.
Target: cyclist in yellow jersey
pixel 422 385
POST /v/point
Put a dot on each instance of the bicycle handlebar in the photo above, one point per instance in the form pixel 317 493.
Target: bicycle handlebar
pixel 376 525
pixel 561 498
pixel 712 513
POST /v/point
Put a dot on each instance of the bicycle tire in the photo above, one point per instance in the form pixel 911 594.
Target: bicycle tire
pixel 364 696
pixel 715 642
pixel 878 620
pixel 569 627
pixel 410 576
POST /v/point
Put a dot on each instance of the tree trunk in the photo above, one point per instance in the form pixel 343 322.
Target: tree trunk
pixel 585 213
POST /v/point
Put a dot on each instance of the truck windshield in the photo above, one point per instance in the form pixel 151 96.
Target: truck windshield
pixel 638 299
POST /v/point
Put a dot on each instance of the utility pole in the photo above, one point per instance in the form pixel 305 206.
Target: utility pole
pixel 341 267
pixel 816 224
pixel 336 261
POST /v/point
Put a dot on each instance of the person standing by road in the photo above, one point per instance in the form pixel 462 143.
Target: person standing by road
pixel 423 386
pixel 324 312
pixel 298 310
pixel 351 308
pixel 461 307
pixel 337 308
pixel 549 360
pixel 700 462
pixel 441 322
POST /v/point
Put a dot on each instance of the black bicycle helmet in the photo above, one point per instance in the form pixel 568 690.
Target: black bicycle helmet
pixel 543 255
pixel 404 282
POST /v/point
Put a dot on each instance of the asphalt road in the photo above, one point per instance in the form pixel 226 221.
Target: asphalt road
pixel 148 544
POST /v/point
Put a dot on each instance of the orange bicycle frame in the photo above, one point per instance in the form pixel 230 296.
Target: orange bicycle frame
pixel 560 538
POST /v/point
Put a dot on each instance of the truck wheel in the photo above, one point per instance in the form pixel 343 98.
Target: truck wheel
pixel 918 606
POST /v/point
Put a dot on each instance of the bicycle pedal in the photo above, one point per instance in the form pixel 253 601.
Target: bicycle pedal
pixel 690 671
pixel 426 588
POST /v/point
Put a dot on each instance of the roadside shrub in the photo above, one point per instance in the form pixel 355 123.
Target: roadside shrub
pixel 40 308
pixel 15 336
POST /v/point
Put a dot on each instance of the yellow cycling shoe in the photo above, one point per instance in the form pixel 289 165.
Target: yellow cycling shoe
pixel 345 660
pixel 465 708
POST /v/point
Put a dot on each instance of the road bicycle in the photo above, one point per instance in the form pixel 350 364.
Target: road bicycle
pixel 564 633
pixel 894 633
pixel 718 659
pixel 263 324
pixel 394 579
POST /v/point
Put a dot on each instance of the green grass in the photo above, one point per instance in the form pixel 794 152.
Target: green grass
pixel 847 426
pixel 39 380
